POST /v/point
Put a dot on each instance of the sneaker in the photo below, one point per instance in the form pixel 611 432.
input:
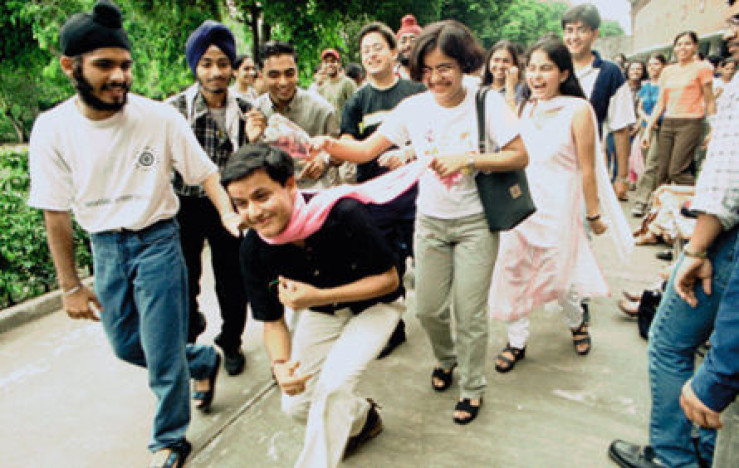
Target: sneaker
pixel 234 362
pixel 396 339
pixel 371 429
pixel 629 455
pixel 638 210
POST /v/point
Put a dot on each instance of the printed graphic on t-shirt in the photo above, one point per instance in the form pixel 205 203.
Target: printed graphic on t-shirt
pixel 147 159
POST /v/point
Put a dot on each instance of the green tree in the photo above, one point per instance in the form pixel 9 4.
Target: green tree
pixel 610 28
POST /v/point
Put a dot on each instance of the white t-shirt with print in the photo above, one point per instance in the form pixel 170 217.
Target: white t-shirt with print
pixel 435 130
pixel 113 173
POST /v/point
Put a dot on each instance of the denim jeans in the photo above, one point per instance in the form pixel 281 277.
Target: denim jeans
pixel 454 260
pixel 676 332
pixel 141 282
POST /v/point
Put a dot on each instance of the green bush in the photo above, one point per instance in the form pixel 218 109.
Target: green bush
pixel 26 268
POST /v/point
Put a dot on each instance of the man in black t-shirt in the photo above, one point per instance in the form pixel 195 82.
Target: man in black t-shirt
pixel 337 271
pixel 362 114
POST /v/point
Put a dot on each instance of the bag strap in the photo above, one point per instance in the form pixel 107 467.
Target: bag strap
pixel 480 105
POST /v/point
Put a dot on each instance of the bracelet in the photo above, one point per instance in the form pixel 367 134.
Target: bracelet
pixel 623 180
pixel 278 361
pixel 73 290
pixel 595 217
pixel 688 253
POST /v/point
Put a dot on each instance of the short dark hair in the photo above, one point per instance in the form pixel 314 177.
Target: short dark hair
pixel 726 60
pixel 452 38
pixel 512 48
pixel 691 34
pixel 273 48
pixel 354 71
pixel 250 158
pixel 240 59
pixel 660 57
pixel 587 13
pixel 380 28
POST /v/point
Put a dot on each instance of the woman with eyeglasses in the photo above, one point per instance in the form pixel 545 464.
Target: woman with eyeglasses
pixel 455 249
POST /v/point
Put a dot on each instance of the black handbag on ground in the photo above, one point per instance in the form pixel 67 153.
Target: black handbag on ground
pixel 505 196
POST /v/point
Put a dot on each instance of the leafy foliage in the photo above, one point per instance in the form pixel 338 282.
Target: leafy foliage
pixel 610 28
pixel 26 268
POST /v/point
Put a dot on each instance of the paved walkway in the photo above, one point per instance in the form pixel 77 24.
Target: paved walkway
pixel 67 401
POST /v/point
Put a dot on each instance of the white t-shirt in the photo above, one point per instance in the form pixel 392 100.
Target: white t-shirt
pixel 113 173
pixel 435 130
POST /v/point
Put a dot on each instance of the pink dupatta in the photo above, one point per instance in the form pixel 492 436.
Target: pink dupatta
pixel 308 217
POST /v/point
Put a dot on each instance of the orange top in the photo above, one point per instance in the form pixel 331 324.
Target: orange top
pixel 683 86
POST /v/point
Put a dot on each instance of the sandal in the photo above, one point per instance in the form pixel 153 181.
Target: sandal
pixel 646 239
pixel 445 376
pixel 628 307
pixel 177 456
pixel 508 364
pixel 465 404
pixel 205 398
pixel 580 337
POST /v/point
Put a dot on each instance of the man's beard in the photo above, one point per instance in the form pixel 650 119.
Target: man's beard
pixel 85 91
pixel 403 60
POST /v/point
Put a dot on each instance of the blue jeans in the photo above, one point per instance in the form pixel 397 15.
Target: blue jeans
pixel 141 282
pixel 675 334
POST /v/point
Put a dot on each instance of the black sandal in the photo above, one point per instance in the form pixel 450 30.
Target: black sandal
pixel 465 404
pixel 204 399
pixel 581 336
pixel 509 364
pixel 444 375
pixel 177 456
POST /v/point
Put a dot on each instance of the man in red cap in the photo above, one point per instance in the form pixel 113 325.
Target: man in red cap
pixel 406 36
pixel 336 88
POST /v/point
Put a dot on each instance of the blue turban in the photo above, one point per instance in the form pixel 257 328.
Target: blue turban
pixel 207 34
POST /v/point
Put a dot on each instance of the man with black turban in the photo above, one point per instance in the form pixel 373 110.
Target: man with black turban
pixel 107 156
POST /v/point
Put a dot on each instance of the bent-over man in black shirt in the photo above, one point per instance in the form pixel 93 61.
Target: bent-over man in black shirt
pixel 336 270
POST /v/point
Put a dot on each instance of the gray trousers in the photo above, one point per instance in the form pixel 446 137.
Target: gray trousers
pixel 454 268
pixel 727 443
pixel 647 181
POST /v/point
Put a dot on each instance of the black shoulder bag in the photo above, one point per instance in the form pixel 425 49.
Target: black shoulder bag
pixel 505 196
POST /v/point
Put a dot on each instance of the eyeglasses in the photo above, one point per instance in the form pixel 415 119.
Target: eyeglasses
pixel 444 69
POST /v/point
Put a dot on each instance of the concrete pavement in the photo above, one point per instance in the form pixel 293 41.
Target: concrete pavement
pixel 68 402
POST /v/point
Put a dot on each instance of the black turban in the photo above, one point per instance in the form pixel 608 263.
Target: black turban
pixel 84 32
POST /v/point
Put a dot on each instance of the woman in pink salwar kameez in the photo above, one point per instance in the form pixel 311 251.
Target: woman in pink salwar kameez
pixel 548 257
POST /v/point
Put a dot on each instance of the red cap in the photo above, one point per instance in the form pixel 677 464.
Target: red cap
pixel 408 25
pixel 333 52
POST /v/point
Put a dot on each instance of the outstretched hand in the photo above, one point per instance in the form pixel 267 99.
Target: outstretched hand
pixel 288 379
pixel 233 223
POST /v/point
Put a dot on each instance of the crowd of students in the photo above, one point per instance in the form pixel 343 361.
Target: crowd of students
pixel 436 112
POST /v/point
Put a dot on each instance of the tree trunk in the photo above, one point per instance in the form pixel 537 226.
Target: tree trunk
pixel 20 132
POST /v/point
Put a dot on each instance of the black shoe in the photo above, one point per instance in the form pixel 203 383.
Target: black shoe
pixel 177 456
pixel 665 255
pixel 196 326
pixel 629 455
pixel 234 362
pixel 371 429
pixel 205 399
pixel 396 339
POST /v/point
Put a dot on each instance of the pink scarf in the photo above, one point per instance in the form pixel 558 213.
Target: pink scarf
pixel 308 217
